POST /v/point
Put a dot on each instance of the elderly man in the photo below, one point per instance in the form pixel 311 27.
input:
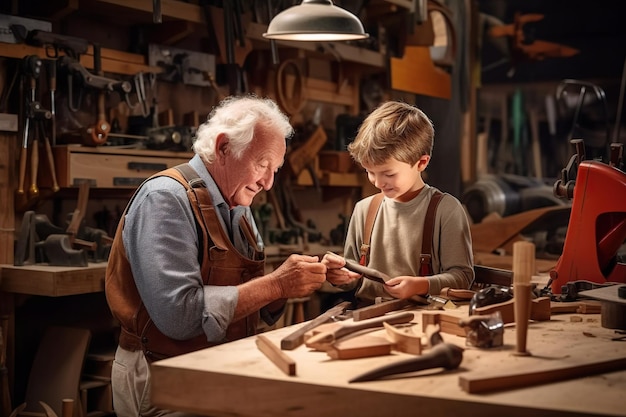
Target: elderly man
pixel 186 269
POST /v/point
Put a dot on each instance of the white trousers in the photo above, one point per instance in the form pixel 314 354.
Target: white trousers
pixel 130 381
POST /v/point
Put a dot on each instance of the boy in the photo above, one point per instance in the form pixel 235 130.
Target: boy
pixel 394 146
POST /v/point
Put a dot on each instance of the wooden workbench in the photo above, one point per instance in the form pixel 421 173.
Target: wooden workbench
pixel 236 379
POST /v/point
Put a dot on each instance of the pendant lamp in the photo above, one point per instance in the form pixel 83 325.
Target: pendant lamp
pixel 315 20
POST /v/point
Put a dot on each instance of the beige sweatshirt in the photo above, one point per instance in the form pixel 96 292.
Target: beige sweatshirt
pixel 396 243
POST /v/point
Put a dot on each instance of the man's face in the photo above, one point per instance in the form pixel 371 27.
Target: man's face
pixel 244 178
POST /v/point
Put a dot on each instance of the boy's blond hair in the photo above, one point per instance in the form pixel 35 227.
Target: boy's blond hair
pixel 393 130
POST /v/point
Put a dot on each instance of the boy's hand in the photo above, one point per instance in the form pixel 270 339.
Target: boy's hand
pixel 404 287
pixel 336 274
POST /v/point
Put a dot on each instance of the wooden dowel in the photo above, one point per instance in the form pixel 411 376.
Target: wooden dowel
pixel 523 270
pixel 67 407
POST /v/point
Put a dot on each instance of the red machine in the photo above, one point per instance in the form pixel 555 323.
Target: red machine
pixel 597 225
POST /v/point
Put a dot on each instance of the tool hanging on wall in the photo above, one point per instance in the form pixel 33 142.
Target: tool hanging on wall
pixel 32 115
pixel 99 132
pixel 227 19
pixel 80 81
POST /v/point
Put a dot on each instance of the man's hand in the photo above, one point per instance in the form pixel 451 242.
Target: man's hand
pixel 336 274
pixel 299 276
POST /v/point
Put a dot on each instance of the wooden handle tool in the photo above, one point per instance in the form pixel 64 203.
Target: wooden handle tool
pixel 296 338
pixel 322 341
pixel 368 273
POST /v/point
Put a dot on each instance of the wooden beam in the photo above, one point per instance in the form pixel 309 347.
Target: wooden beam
pixel 169 8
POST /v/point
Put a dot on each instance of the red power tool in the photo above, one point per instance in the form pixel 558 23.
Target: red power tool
pixel 597 225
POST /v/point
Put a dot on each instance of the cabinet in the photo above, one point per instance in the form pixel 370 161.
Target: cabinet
pixel 108 167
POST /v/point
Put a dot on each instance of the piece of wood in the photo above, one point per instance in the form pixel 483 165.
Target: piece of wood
pixel 8 148
pixel 277 356
pixel 323 340
pixel 449 323
pixel 303 155
pixel 296 338
pixel 566 368
pixel 363 346
pixel 377 310
pixel 53 281
pixel 589 308
pixel 432 80
pixel 523 270
pixel 540 310
pixel 404 339
pixel 488 236
pixel 57 368
pixel 455 294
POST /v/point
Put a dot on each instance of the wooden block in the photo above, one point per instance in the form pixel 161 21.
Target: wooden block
pixel 376 310
pixel 363 346
pixel 277 356
pixel 448 323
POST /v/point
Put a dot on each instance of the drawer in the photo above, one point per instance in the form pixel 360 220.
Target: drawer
pixel 104 167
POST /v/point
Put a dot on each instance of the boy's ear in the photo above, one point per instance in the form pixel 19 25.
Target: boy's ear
pixel 423 162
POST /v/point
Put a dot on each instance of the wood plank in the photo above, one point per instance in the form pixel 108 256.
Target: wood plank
pixel 8 148
pixel 565 369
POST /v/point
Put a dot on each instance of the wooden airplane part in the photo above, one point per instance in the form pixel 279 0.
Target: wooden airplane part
pixel 525 49
pixel 416 73
pixel 488 236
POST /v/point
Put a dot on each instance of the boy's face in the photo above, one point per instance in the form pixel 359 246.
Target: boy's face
pixel 397 180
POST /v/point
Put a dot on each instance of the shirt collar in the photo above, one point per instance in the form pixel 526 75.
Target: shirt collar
pixel 198 165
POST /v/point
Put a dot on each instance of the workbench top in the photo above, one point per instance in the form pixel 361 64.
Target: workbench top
pixel 237 379
pixel 52 281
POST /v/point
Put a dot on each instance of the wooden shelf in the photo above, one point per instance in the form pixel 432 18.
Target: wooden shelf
pixel 53 281
pixel 116 62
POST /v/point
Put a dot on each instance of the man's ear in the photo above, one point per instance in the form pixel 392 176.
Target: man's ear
pixel 221 145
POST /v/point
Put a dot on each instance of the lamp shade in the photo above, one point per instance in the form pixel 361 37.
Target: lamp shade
pixel 315 20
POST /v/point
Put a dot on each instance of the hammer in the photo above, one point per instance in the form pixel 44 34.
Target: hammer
pixel 442 355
